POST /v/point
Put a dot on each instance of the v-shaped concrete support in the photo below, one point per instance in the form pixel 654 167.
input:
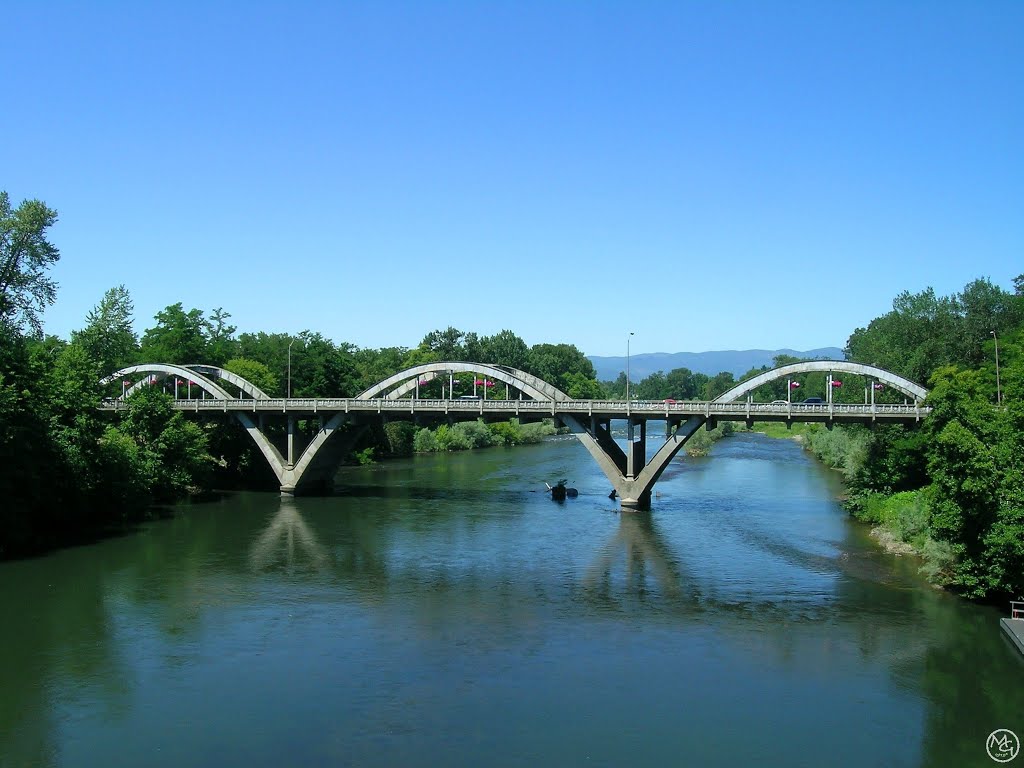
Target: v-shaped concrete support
pixel 631 476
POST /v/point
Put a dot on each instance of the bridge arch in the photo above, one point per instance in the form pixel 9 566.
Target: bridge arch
pixel 403 382
pixel 243 384
pixel 204 376
pixel 267 448
pixel 165 369
pixel 900 384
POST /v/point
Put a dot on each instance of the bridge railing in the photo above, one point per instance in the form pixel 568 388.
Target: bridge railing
pixel 1016 610
pixel 733 410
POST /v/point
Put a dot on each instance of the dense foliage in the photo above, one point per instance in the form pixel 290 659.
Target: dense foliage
pixel 954 489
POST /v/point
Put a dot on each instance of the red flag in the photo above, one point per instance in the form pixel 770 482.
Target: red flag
pixel 836 383
pixel 794 384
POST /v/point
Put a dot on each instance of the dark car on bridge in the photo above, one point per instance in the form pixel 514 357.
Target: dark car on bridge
pixel 813 400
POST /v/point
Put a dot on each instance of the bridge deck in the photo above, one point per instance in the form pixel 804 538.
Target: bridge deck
pixel 503 409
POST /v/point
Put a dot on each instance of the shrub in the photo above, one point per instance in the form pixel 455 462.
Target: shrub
pixel 534 433
pixel 475 434
pixel 364 456
pixel 425 441
pixel 506 432
pixel 400 437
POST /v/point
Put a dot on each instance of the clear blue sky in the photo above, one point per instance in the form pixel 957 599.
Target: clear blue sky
pixel 709 175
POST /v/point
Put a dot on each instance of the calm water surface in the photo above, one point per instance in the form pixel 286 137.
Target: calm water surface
pixel 443 611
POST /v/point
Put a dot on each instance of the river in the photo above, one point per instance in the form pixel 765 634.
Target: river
pixel 443 611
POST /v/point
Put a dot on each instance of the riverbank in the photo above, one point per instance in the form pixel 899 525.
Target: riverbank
pixel 899 522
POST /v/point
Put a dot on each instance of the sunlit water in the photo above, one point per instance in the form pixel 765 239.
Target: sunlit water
pixel 443 611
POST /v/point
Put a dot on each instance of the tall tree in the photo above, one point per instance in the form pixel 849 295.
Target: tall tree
pixel 556 364
pixel 505 348
pixel 25 255
pixel 178 337
pixel 718 384
pixel 446 344
pixel 322 369
pixel 221 345
pixel 108 337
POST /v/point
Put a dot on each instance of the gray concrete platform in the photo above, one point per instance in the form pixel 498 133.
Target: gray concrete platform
pixel 1014 628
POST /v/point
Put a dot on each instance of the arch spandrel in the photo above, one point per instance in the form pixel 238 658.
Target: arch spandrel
pixel 900 384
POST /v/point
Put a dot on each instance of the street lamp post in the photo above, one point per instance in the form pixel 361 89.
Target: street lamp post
pixel 999 390
pixel 627 367
pixel 290 367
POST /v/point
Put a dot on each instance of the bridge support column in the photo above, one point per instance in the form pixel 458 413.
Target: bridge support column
pixel 291 441
pixel 629 472
pixel 636 450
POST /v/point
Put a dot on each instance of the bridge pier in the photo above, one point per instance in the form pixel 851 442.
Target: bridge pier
pixel 636 454
pixel 291 441
pixel 629 472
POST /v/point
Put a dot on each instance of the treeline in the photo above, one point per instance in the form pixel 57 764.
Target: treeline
pixel 953 489
pixel 67 471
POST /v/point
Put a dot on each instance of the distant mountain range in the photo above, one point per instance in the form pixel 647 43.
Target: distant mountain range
pixel 736 361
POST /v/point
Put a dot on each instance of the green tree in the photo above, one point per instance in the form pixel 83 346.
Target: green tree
pixel 178 337
pixel 322 369
pixel 255 372
pixel 375 365
pixel 505 348
pixel 446 344
pixel 220 338
pixel 683 384
pixel 579 387
pixel 108 337
pixel 718 384
pixel 271 349
pixel 26 289
pixel 172 450
pixel 652 387
pixel 557 364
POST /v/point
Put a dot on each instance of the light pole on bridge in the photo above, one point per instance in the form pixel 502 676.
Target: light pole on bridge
pixel 290 367
pixel 627 367
pixel 999 390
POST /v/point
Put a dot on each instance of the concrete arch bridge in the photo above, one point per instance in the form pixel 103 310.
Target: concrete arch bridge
pixel 340 421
